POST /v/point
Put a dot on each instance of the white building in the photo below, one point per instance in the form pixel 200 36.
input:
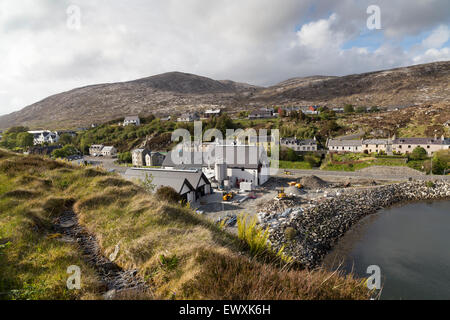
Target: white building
pixel 109 151
pixel 133 120
pixel 239 163
pixel 44 136
pixel 337 145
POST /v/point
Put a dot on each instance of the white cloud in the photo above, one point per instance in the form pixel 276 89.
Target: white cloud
pixel 437 38
pixel 255 41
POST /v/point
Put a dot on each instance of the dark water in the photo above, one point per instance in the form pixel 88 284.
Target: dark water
pixel 411 245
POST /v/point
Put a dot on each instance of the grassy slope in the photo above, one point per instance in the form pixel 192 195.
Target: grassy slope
pixel 179 254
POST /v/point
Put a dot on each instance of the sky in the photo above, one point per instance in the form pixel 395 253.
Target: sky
pixel 48 46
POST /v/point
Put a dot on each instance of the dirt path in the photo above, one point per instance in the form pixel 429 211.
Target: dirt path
pixel 116 280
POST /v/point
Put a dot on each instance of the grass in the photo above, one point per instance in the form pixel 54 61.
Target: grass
pixel 178 253
pixel 299 165
pixel 355 161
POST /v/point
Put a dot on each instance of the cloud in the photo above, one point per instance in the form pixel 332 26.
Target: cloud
pixel 256 41
pixel 437 38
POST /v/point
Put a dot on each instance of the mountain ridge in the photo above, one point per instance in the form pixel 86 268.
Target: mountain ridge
pixel 176 92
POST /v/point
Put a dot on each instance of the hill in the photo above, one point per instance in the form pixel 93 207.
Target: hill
pixel 176 92
pixel 120 228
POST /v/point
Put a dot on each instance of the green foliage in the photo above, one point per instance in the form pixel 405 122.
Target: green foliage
pixel 147 183
pixel 256 238
pixel 418 153
pixel 16 138
pixel 287 154
pixel 430 184
pixel 125 157
pixel 65 139
pixel 313 160
pixel 66 151
pixel 169 263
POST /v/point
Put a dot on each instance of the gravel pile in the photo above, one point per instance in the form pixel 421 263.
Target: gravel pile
pixel 313 182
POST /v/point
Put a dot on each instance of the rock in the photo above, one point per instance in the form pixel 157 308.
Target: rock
pixel 113 256
pixel 110 295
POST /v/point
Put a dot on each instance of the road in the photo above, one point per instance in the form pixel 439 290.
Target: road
pixel 356 174
pixel 108 164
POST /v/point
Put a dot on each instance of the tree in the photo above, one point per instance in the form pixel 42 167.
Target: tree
pixel 348 108
pixel 125 157
pixel 418 153
pixel 65 139
pixel 66 151
pixel 24 139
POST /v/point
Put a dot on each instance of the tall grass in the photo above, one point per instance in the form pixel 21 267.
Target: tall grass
pixel 257 239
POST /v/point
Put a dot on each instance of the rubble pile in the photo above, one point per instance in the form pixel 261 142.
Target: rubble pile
pixel 320 226
pixel 313 182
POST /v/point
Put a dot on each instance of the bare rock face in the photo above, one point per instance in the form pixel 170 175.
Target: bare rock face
pixel 177 92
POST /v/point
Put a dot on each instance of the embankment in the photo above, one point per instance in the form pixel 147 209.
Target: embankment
pixel 309 234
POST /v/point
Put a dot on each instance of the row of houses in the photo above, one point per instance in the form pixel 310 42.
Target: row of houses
pixel 195 116
pixel 389 146
pixel 190 173
pixel 100 150
pixel 144 157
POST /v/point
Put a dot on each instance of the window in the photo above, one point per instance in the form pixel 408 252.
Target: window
pixel 428 147
pixel 409 147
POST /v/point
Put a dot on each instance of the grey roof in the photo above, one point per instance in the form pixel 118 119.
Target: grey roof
pixel 344 143
pixel 175 179
pixel 298 142
pixel 421 141
pixel 132 118
pixel 235 156
pixel 375 141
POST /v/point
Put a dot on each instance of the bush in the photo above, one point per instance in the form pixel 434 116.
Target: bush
pixel 169 194
pixel 418 153
pixel 125 157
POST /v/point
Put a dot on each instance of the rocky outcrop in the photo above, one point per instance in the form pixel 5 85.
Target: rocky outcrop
pixel 309 233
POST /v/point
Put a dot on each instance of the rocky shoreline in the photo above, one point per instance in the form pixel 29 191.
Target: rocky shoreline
pixel 308 234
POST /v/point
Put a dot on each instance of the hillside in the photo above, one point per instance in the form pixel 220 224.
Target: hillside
pixel 176 92
pixel 169 250
pixel 429 83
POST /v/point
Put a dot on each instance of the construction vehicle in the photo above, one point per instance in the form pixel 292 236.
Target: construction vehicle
pixel 281 194
pixel 297 185
pixel 227 197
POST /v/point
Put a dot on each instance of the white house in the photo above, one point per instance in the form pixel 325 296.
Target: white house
pixel 44 136
pixel 337 145
pixel 109 151
pixel 133 120
pixel 235 163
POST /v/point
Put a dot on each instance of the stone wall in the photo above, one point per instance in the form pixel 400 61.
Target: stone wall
pixel 308 234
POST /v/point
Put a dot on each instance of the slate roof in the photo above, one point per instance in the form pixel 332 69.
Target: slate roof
pixel 175 179
pixel 239 156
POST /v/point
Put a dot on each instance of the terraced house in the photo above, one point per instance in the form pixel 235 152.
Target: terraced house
pixel 431 145
pixel 299 145
pixel 336 145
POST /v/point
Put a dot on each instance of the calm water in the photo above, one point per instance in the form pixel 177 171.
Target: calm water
pixel 411 244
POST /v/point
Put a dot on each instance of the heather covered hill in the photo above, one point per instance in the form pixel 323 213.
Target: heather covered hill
pixel 176 253
pixel 175 93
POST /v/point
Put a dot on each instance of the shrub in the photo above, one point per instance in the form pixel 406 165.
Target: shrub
pixel 418 153
pixel 430 184
pixel 169 194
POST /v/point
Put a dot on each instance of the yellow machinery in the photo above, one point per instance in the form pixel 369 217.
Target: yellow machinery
pixel 281 194
pixel 297 185
pixel 228 196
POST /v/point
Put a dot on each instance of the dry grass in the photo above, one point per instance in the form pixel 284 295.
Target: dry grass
pixel 177 252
